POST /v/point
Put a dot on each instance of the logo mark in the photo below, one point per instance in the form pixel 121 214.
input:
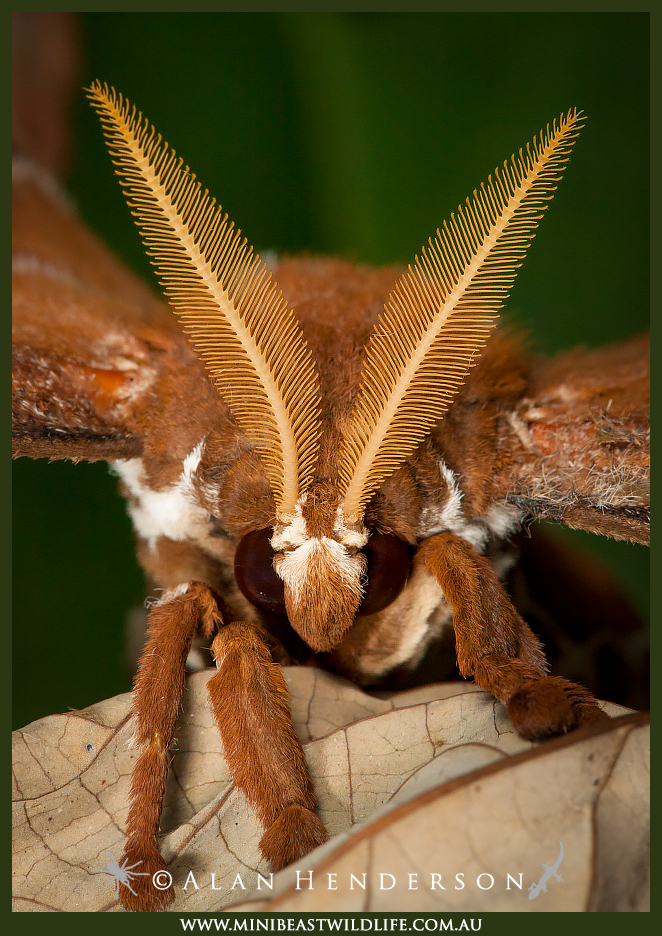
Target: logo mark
pixel 550 870
pixel 162 880
pixel 122 874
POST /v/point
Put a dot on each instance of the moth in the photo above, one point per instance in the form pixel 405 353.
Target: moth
pixel 320 471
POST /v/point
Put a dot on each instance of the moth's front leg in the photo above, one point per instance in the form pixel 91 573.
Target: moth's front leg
pixel 497 648
pixel 158 688
pixel 251 706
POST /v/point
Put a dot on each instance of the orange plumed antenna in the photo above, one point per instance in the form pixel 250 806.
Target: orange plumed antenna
pixel 439 315
pixel 234 315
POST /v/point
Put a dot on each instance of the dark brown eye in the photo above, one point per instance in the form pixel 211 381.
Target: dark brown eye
pixel 388 571
pixel 254 572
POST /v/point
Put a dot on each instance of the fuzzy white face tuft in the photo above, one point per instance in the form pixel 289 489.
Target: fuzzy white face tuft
pixel 293 531
pixel 323 578
pixel 316 554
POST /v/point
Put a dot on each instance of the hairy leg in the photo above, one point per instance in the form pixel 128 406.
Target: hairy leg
pixel 497 648
pixel 251 706
pixel 158 688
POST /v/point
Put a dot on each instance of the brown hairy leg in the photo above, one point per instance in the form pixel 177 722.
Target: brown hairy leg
pixel 251 706
pixel 158 687
pixel 497 648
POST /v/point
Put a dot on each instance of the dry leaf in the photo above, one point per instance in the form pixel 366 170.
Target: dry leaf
pixel 429 781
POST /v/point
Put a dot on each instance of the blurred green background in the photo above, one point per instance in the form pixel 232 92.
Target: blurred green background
pixel 346 133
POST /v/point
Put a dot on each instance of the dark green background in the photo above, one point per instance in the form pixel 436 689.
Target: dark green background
pixel 349 133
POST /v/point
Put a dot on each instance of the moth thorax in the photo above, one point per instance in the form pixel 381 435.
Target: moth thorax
pixel 323 589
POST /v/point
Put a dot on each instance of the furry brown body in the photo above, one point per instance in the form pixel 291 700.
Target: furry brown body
pixel 121 382
pixel 103 371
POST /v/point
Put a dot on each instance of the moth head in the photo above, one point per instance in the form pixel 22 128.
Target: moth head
pixel 319 571
pixel 314 562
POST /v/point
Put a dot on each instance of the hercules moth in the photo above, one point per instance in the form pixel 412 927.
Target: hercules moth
pixel 312 480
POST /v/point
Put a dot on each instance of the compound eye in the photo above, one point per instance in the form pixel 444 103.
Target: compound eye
pixel 254 572
pixel 388 571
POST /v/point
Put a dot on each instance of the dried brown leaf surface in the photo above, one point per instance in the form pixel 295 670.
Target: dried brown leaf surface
pixel 433 781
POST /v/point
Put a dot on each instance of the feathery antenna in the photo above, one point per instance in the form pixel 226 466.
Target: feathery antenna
pixel 439 315
pixel 235 318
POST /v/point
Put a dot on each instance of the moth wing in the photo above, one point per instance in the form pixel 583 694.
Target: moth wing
pixel 578 444
pixel 90 341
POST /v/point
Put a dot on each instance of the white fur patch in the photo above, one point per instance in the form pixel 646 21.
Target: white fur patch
pixel 192 461
pixel 176 511
pixel 500 520
pixel 171 512
pixel 354 536
pixel 292 534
